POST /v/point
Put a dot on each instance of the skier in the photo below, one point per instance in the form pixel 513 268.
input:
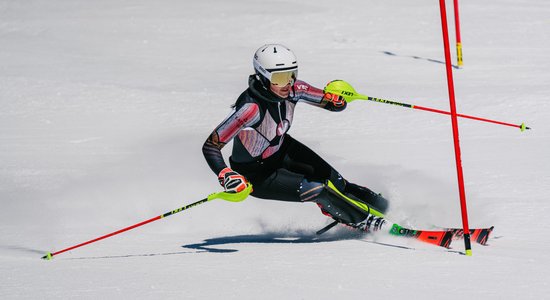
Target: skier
pixel 278 166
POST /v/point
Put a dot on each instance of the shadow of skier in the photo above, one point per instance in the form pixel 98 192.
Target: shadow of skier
pixel 209 245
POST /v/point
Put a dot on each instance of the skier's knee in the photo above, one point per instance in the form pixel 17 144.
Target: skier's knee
pixel 310 190
pixel 330 203
pixel 366 195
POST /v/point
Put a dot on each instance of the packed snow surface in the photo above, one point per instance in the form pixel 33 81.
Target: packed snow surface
pixel 104 106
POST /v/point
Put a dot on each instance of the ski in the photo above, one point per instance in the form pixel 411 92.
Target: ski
pixel 479 235
pixel 376 221
pixel 442 238
pixel 327 228
pixel 439 237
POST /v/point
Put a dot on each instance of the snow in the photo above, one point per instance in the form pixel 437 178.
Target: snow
pixel 105 106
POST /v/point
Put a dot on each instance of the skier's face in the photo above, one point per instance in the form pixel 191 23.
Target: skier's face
pixel 281 91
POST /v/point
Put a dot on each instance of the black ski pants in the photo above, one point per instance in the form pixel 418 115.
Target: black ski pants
pixel 279 177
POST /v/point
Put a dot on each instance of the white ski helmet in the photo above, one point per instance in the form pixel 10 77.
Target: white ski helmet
pixel 275 63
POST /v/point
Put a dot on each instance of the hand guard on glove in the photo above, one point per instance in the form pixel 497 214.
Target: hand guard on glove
pixel 334 101
pixel 232 181
pixel 338 93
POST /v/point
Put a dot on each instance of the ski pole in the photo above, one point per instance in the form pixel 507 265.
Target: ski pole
pixel 232 197
pixel 345 90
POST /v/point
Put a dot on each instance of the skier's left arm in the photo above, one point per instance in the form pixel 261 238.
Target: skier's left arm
pixel 307 93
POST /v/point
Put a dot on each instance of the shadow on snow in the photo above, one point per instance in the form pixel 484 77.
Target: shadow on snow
pixel 209 245
pixel 418 57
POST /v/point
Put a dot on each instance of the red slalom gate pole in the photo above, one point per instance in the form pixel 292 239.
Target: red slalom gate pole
pixel 457 31
pixel 454 119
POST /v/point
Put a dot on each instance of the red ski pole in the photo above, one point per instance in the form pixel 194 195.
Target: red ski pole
pixel 345 90
pixel 232 197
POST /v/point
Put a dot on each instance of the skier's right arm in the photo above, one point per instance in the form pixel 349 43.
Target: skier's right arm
pixel 241 117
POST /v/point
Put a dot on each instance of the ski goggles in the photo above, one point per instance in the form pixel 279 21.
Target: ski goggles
pixel 284 77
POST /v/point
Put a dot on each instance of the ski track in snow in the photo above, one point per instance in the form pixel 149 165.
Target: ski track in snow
pixel 105 106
